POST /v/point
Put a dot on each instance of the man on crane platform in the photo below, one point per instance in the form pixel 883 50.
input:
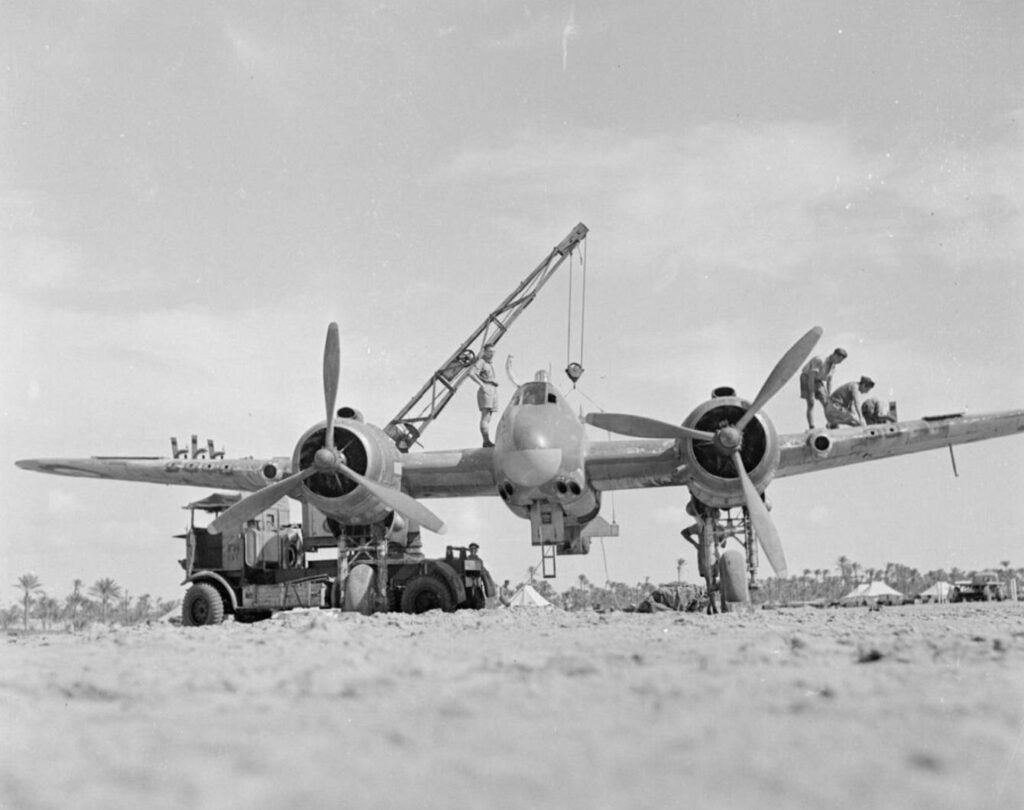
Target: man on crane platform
pixel 482 373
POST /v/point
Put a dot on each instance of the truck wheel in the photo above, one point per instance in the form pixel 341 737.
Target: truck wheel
pixel 426 593
pixel 202 605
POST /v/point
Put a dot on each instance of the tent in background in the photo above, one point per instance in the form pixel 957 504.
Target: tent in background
pixel 527 596
pixel 872 593
pixel 939 592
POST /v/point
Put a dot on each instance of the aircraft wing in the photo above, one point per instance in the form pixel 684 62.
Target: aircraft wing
pixel 243 474
pixel 449 473
pixel 627 464
pixel 855 445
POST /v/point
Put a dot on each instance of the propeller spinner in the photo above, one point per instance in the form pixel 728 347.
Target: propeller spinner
pixel 328 459
pixel 728 441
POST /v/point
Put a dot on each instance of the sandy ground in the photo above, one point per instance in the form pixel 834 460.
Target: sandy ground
pixel 913 707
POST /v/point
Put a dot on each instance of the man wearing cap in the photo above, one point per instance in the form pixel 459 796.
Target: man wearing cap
pixel 843 406
pixel 816 381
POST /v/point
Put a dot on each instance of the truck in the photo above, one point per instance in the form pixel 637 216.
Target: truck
pixel 270 566
pixel 984 586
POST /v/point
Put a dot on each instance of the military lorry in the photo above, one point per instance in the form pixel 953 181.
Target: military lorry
pixel 270 566
pixel 983 586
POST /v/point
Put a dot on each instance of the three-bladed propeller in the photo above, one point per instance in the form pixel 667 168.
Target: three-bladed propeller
pixel 728 441
pixel 328 459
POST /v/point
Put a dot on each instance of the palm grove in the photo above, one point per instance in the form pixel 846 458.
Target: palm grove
pixel 106 602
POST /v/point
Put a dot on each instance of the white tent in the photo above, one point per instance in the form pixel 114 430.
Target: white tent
pixel 871 593
pixel 939 592
pixel 527 596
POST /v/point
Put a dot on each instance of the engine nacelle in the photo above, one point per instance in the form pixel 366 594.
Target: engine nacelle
pixel 713 476
pixel 368 451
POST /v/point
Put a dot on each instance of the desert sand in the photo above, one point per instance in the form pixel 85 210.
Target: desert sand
pixel 911 707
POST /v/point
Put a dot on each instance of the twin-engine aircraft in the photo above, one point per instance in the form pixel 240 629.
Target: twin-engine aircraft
pixel 546 469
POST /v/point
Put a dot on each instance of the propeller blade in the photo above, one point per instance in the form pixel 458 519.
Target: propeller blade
pixel 644 428
pixel 406 506
pixel 767 534
pixel 332 370
pixel 233 518
pixel 786 367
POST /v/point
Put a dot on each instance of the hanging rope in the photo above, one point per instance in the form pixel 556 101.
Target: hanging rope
pixel 568 317
pixel 574 369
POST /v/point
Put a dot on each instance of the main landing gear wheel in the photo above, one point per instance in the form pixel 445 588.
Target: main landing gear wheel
pixel 202 605
pixel 732 579
pixel 426 593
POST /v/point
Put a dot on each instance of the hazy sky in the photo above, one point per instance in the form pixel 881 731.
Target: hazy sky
pixel 190 192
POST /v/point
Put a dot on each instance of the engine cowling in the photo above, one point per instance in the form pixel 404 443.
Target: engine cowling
pixel 713 476
pixel 368 451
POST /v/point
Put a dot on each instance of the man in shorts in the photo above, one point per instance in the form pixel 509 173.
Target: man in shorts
pixel 843 406
pixel 482 373
pixel 816 381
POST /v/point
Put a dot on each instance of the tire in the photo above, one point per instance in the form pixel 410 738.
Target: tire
pixel 732 577
pixel 426 593
pixel 202 605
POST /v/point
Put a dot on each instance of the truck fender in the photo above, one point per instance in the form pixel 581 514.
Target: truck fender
pixel 226 591
pixel 447 573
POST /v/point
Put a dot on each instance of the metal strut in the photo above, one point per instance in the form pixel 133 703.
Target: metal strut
pixel 410 422
pixel 715 529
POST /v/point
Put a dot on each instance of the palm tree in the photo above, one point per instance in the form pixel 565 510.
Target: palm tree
pixel 843 564
pixel 74 602
pixel 47 609
pixel 679 570
pixel 143 606
pixel 105 590
pixel 29 583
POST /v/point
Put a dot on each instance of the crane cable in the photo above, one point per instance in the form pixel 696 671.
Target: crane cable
pixel 574 369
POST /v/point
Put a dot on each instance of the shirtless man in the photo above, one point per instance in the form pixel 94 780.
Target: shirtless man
pixel 843 406
pixel 816 381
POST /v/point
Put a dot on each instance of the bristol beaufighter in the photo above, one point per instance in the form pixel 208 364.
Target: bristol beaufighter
pixel 546 468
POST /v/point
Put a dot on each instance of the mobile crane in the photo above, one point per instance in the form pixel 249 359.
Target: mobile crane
pixel 272 566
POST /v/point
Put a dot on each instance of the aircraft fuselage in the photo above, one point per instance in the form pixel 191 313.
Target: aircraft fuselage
pixel 540 454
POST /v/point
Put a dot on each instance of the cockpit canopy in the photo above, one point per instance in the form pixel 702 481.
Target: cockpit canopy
pixel 535 393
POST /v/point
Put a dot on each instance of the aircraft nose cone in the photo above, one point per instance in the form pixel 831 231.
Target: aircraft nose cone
pixel 531 459
pixel 530 434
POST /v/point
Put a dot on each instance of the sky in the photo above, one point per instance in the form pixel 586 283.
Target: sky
pixel 191 192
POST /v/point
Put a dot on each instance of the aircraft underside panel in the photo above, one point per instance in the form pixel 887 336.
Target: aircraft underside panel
pixel 853 445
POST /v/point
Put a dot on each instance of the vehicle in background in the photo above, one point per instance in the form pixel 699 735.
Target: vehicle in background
pixel 984 586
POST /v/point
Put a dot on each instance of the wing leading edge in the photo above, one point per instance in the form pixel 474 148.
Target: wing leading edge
pixel 855 445
pixel 244 474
